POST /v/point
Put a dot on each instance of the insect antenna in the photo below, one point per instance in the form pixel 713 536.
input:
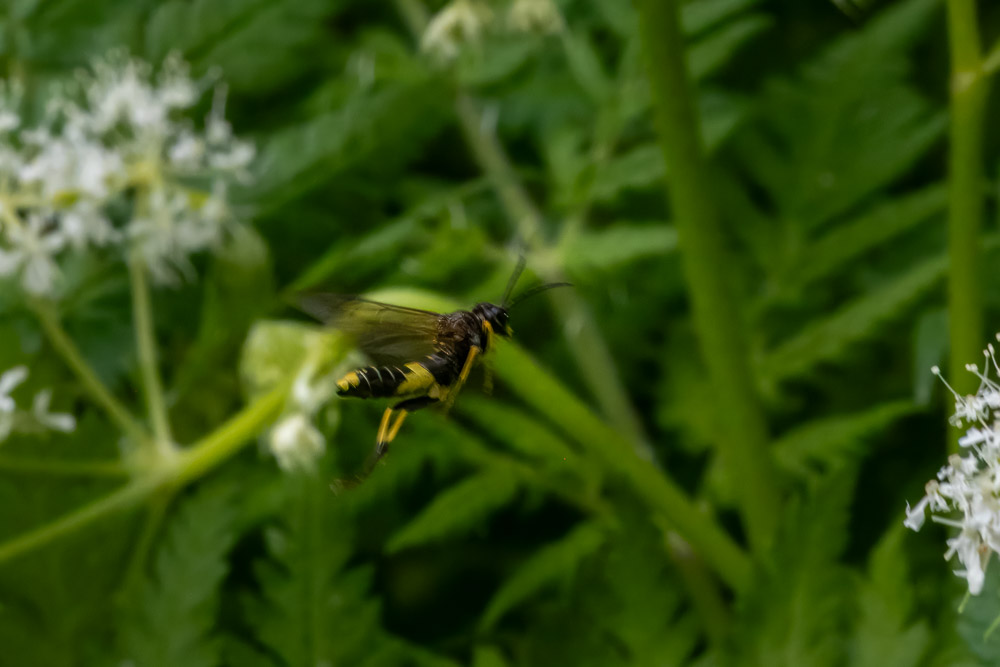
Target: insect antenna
pixel 532 291
pixel 513 280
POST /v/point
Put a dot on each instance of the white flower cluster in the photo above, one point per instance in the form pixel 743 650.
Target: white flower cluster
pixel 38 418
pixel 295 442
pixel 966 493
pixel 463 22
pixel 113 162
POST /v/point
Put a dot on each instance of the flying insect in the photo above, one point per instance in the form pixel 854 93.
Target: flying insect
pixel 420 358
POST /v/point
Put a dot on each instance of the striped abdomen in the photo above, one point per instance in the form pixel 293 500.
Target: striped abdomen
pixel 413 379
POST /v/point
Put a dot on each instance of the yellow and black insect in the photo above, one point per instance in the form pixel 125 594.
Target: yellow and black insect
pixel 420 358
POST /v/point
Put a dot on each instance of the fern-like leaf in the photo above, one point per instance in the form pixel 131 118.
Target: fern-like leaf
pixel 458 509
pixel 798 611
pixel 884 633
pixel 829 338
pixel 312 612
pixel 551 565
pixel 173 618
pixel 825 443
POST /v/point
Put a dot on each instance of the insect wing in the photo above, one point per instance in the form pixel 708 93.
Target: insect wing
pixel 384 332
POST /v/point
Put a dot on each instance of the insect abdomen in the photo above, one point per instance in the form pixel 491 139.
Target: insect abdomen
pixel 386 381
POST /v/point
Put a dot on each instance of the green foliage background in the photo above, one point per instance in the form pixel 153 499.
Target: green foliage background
pixel 543 525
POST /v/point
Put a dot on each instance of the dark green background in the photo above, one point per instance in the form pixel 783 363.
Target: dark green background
pixel 478 542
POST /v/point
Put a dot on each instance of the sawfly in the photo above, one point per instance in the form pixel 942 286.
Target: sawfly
pixel 419 358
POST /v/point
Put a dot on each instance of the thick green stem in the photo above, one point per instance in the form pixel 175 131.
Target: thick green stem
pixel 614 452
pixel 744 444
pixel 180 469
pixel 88 378
pixel 969 90
pixel 145 339
pixel 226 440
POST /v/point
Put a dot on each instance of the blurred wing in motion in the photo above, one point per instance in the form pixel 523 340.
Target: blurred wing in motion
pixel 387 334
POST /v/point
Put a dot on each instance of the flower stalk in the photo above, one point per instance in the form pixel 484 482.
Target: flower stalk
pixel 99 393
pixel 145 339
pixel 969 90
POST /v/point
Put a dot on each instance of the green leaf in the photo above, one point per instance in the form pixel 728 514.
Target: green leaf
pixel 870 230
pixel 488 656
pixel 798 610
pixel 457 510
pixel 498 60
pixel 614 246
pixel 643 166
pixel 699 16
pixel 884 633
pixel 850 126
pixel 977 619
pixel 833 441
pixel 173 616
pixel 637 168
pixel 312 611
pixel 551 565
pixel 829 338
pixel 518 430
pixel 585 65
pixel 304 156
pixel 258 45
pixel 713 52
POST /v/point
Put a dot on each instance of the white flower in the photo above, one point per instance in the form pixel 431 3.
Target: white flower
pixel 56 421
pixel 540 16
pixel 8 383
pixel 9 120
pixel 966 493
pixel 172 230
pixel 187 151
pixel 33 245
pixel 11 417
pixel 114 141
pixel 296 443
pixel 460 22
pixel 85 223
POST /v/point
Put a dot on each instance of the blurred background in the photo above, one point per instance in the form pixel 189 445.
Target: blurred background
pixel 598 507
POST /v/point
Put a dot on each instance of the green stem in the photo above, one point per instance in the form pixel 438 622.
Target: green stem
pixel 155 512
pixel 124 498
pixel 88 378
pixel 613 451
pixel 969 90
pixel 180 469
pixel 701 587
pixel 493 160
pixel 145 338
pixel 226 440
pixel 717 318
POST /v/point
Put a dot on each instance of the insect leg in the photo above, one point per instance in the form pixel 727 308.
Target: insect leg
pixel 462 377
pixel 487 374
pixel 395 426
pixel 381 442
pixel 383 428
